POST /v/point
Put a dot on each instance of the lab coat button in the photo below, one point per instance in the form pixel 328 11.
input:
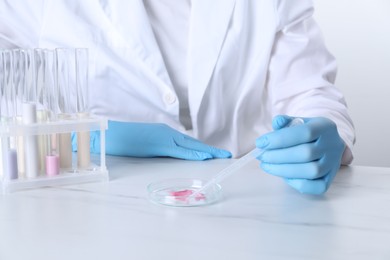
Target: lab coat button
pixel 169 98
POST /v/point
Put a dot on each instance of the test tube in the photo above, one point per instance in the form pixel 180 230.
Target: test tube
pixel 41 101
pixel 2 78
pixel 50 104
pixel 24 65
pixel 8 153
pixel 19 74
pixel 19 77
pixel 28 105
pixel 65 64
pixel 83 138
pixel 26 92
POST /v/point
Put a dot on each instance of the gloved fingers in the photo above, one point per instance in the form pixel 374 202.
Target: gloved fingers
pixel 315 187
pixel 291 136
pixel 281 121
pixel 187 154
pixel 194 144
pixel 296 154
pixel 311 170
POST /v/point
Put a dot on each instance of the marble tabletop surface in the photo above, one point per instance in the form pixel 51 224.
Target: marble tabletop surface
pixel 260 217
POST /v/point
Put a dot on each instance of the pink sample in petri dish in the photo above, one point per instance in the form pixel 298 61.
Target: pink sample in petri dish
pixel 177 193
pixel 184 194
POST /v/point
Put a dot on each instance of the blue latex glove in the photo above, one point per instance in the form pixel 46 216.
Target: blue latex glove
pixel 307 156
pixel 152 140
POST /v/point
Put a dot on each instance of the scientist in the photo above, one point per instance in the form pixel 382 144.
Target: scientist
pixel 179 78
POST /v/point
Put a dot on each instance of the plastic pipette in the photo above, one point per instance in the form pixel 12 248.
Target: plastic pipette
pixel 234 167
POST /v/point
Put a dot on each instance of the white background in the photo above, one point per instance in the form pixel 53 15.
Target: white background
pixel 357 32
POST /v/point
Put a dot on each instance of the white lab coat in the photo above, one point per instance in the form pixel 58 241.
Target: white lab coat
pixel 248 60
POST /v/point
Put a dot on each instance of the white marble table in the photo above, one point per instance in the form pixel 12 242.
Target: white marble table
pixel 260 217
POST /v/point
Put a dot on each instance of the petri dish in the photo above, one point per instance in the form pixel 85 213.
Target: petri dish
pixel 176 192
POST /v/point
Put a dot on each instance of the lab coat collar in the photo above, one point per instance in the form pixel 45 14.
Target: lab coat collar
pixel 209 23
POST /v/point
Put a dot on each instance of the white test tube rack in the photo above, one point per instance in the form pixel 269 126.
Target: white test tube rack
pixel 95 172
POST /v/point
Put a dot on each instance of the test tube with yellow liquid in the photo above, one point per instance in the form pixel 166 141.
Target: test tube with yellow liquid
pixel 82 89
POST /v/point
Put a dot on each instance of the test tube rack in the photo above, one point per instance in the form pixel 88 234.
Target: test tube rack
pixel 96 171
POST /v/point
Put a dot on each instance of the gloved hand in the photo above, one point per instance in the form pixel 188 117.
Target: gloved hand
pixel 152 140
pixel 307 156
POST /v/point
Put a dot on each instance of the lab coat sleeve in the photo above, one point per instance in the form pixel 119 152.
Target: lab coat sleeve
pixel 302 72
pixel 21 22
